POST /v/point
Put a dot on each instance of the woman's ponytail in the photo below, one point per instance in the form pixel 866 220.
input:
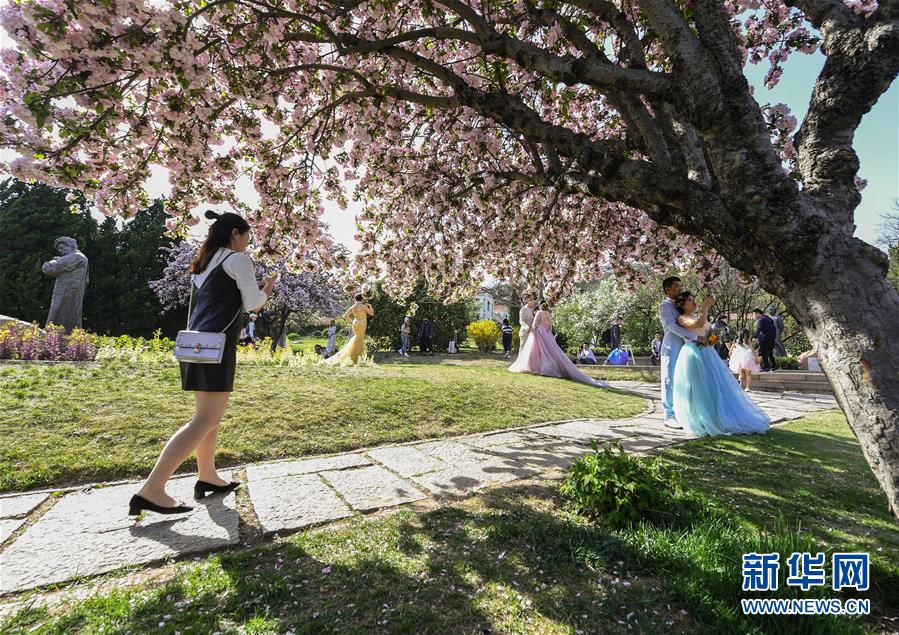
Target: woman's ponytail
pixel 219 236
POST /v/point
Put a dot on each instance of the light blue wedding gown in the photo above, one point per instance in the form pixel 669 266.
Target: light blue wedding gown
pixel 708 400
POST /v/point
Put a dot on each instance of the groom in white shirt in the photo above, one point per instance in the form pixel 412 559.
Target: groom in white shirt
pixel 526 320
pixel 675 336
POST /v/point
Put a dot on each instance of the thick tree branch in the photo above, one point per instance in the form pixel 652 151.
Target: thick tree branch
pixel 563 68
pixel 861 64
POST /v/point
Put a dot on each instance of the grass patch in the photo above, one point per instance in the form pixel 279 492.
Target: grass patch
pixel 517 560
pixel 66 424
pixel 307 343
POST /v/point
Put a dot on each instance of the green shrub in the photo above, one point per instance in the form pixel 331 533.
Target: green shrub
pixel 787 363
pixel 618 488
pixel 485 334
pixel 380 343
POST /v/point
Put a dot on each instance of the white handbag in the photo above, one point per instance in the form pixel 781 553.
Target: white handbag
pixel 200 347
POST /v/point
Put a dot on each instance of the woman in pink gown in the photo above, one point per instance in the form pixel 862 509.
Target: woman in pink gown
pixel 540 354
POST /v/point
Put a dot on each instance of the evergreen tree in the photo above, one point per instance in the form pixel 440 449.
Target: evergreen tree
pixel 122 260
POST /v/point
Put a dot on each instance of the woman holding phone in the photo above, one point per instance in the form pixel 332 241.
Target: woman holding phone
pixel 223 285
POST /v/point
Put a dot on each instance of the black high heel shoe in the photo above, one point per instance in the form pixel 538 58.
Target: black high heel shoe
pixel 139 504
pixel 202 488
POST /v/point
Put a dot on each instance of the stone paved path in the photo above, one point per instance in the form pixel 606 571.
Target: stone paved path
pixel 87 532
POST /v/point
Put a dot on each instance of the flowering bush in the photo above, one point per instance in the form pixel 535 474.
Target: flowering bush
pixel 32 343
pixel 135 349
pixel 262 355
pixel 485 334
pixel 516 337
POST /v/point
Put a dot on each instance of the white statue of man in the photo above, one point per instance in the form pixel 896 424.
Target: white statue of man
pixel 70 271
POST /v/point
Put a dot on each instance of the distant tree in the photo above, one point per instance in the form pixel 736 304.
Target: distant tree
pixel 448 319
pixel 584 315
pixel 122 259
pixel 298 295
pixel 888 238
pixel 508 294
pixel 32 217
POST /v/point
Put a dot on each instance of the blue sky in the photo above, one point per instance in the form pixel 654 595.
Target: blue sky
pixel 876 140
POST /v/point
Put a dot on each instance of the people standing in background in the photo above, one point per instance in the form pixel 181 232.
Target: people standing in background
pixel 507 337
pixel 765 333
pixel 405 336
pixel 655 354
pixel 332 338
pixel 722 330
pixel 251 327
pixel 615 335
pixel 779 349
pixel 526 320
pixel 425 337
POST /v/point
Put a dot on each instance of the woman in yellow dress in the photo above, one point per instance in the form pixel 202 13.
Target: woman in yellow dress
pixel 356 346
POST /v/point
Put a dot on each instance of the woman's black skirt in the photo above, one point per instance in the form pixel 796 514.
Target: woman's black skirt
pixel 215 377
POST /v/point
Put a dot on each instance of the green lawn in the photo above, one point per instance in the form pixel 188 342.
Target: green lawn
pixel 67 424
pixel 307 343
pixel 515 560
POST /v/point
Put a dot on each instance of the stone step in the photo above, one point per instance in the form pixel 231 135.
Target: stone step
pixel 804 387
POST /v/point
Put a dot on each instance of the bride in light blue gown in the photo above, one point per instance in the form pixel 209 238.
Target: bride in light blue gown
pixel 708 400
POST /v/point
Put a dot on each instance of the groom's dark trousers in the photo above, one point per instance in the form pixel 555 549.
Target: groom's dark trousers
pixel 766 352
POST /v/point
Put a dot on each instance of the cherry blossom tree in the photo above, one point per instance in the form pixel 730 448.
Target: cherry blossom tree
pixel 502 137
pixel 300 295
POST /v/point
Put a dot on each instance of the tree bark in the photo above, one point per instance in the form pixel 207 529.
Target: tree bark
pixel 844 310
pixel 284 314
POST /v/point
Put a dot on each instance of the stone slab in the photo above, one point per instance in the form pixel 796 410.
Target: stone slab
pixel 498 438
pixel 89 532
pixel 294 501
pixel 582 431
pixel 543 455
pixel 462 479
pixel 372 487
pixel 642 445
pixel 305 466
pixel 12 506
pixel 406 460
pixel 8 526
pixel 781 414
pixel 453 452
pixel 660 432
pixel 803 406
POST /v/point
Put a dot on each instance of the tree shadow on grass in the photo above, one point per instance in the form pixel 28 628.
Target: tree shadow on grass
pixel 508 560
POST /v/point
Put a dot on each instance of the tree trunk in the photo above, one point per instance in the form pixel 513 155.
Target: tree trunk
pixel 846 313
pixel 276 342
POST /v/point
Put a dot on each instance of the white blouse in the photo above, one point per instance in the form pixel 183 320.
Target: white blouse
pixel 240 268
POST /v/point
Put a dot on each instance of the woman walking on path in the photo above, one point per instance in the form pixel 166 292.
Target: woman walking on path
pixel 223 284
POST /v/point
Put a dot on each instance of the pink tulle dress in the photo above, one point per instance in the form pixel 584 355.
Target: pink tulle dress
pixel 540 355
pixel 741 358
